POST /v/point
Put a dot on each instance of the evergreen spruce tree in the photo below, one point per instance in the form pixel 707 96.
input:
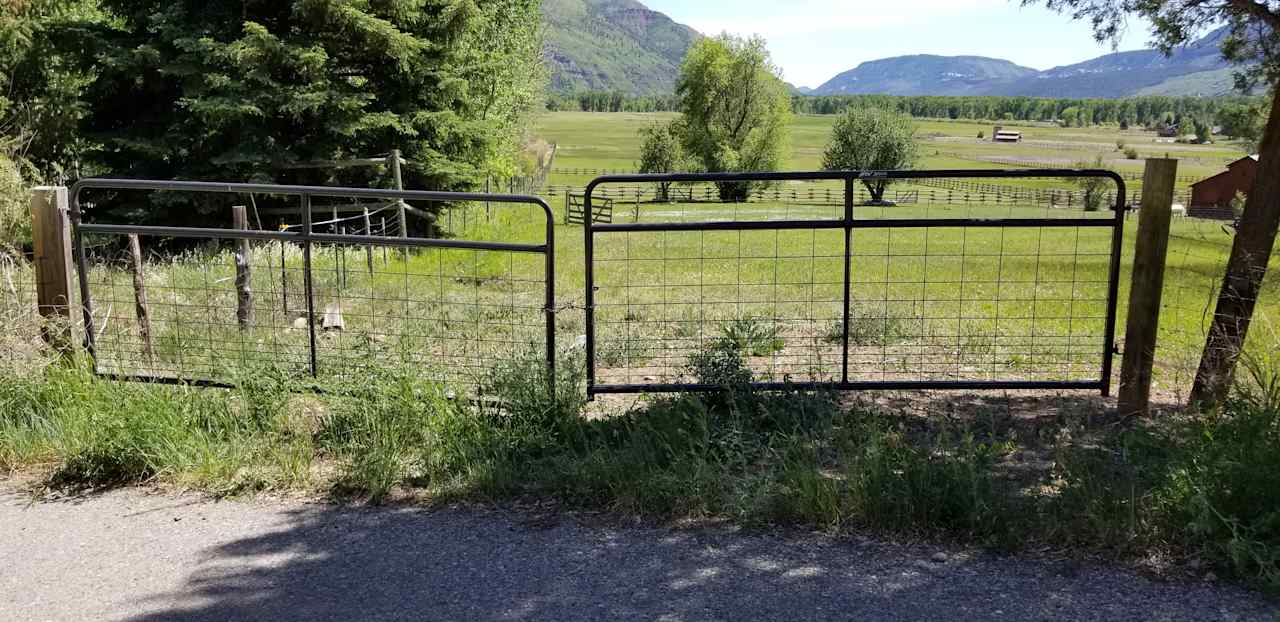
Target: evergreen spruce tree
pixel 239 90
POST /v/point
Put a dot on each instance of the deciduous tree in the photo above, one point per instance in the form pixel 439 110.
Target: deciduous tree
pixel 736 109
pixel 41 89
pixel 1244 122
pixel 869 139
pixel 661 152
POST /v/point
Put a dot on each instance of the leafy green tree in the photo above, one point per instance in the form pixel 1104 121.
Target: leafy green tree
pixel 40 91
pixel 735 109
pixel 868 139
pixel 1094 188
pixel 1203 131
pixel 216 89
pixel 1243 122
pixel 661 152
pixel 1253 44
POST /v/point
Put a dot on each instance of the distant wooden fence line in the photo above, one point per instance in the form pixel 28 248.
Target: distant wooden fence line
pixel 935 191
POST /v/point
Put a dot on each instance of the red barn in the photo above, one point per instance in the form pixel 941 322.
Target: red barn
pixel 1211 198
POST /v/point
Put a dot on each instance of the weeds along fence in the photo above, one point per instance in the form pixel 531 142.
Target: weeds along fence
pixel 873 296
pixel 21 346
pixel 312 302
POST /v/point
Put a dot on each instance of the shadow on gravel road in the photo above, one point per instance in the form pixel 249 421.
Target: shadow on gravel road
pixel 339 563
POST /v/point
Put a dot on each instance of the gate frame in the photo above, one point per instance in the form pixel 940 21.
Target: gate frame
pixel 848 224
pixel 306 237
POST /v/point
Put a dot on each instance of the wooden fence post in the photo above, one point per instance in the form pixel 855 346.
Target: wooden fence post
pixel 51 237
pixel 1148 286
pixel 141 308
pixel 398 178
pixel 244 276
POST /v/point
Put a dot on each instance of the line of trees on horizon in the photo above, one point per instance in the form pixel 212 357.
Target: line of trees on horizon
pixel 1146 111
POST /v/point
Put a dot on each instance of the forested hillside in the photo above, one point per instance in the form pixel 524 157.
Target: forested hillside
pixel 613 45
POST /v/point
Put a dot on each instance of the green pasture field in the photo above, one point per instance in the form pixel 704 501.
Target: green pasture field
pixel 957 303
pixel 609 141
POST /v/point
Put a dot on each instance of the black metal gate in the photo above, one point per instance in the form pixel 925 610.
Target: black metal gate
pixel 992 285
pixel 324 305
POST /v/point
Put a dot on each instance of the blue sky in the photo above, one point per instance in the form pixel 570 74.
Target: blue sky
pixel 813 40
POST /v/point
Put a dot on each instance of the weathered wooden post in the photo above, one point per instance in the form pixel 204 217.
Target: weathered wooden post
pixel 394 162
pixel 51 237
pixel 244 277
pixel 141 308
pixel 1148 286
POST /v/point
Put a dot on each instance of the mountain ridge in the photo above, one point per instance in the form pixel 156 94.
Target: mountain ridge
pixel 923 74
pixel 622 45
pixel 1119 74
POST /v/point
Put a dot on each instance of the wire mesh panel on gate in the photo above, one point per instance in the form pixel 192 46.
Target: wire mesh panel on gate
pixel 814 279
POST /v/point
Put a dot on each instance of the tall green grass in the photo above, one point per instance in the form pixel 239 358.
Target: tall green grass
pixel 1204 486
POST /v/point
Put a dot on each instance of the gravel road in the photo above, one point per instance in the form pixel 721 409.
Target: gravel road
pixel 130 555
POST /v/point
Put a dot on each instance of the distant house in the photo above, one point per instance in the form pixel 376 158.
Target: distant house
pixel 1211 197
pixel 1170 130
pixel 1001 135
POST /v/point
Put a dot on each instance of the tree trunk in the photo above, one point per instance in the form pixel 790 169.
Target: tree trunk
pixel 734 191
pixel 1245 272
pixel 876 188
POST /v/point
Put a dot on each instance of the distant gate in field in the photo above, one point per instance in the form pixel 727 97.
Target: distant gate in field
pixel 308 305
pixel 1003 295
pixel 575 211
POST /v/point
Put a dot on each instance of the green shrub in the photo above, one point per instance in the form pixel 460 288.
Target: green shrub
pixel 753 336
pixel 869 327
pixel 1227 486
pixel 1238 203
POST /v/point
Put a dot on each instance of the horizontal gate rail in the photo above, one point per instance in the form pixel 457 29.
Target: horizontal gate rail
pixel 306 238
pixel 847 223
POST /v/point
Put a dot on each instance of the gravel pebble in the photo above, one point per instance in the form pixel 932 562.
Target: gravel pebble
pixel 129 555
